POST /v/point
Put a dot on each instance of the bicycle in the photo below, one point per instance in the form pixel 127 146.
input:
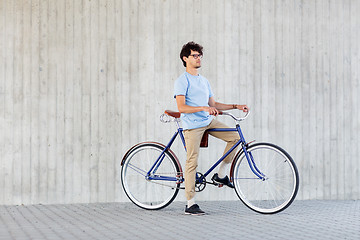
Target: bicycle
pixel 265 177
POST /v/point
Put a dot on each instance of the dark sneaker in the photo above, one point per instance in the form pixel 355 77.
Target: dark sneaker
pixel 194 210
pixel 224 181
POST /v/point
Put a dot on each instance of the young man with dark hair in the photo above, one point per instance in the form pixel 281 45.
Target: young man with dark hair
pixel 196 103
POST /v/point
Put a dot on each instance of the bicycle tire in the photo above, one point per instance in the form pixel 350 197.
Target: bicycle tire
pixel 279 188
pixel 149 194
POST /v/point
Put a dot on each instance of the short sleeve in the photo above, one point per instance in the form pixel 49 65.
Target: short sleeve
pixel 181 86
pixel 211 94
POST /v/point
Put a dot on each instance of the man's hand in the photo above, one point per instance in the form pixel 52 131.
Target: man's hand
pixel 212 111
pixel 244 108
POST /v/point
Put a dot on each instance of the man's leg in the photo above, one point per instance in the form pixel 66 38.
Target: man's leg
pixel 231 138
pixel 192 141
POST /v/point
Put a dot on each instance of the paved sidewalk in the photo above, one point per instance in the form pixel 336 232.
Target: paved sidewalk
pixel 302 220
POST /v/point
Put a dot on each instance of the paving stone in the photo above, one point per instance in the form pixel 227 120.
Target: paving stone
pixel 224 220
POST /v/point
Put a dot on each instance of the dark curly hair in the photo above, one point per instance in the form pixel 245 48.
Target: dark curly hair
pixel 186 50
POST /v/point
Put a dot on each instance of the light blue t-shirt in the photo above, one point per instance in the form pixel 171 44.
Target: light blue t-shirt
pixel 197 92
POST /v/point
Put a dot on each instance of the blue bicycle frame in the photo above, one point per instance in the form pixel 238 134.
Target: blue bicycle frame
pixel 151 174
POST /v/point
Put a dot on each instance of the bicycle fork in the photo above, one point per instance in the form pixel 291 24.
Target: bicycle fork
pixel 249 156
pixel 252 165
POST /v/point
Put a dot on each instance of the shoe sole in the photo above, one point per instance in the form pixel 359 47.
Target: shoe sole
pixel 195 214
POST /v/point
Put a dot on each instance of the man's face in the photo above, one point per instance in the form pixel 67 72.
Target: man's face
pixel 194 60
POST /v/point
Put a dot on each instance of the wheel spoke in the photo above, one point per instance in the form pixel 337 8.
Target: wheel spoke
pixel 142 172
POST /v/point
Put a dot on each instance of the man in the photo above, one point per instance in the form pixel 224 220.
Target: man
pixel 196 103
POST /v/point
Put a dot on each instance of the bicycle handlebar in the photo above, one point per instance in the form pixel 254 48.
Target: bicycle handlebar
pixel 169 116
pixel 238 119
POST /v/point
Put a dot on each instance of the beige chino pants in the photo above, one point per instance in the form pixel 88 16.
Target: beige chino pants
pixel 192 141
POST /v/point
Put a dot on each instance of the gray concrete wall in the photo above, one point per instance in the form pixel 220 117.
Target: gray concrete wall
pixel 81 81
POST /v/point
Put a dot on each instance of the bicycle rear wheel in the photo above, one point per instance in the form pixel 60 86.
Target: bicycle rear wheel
pixel 279 187
pixel 146 193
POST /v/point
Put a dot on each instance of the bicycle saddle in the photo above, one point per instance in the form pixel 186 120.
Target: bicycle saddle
pixel 173 113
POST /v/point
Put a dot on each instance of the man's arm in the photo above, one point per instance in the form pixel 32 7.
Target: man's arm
pixel 183 108
pixel 223 106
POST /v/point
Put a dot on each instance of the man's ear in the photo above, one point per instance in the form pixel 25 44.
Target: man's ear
pixel 185 58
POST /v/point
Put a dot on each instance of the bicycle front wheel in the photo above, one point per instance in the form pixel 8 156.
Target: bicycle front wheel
pixel 279 185
pixel 142 190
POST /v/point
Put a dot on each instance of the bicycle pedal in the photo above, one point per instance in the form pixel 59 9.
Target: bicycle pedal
pixel 217 184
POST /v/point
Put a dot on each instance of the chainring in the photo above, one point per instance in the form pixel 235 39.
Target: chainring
pixel 200 186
